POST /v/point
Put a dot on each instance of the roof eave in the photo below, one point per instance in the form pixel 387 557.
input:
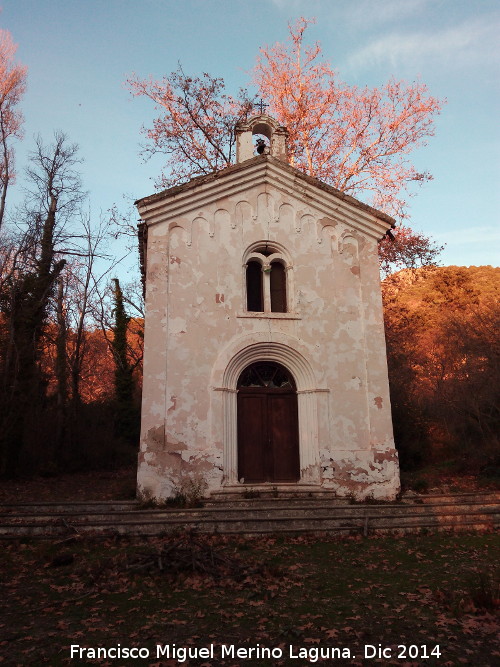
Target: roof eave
pixel 145 204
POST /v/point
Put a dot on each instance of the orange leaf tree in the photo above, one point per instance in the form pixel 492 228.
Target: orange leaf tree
pixel 407 249
pixel 356 139
pixel 195 127
pixel 12 86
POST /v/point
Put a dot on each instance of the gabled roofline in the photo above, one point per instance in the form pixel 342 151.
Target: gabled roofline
pixel 145 204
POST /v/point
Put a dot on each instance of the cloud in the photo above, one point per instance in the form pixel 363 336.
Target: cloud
pixel 466 44
pixel 360 13
pixel 368 13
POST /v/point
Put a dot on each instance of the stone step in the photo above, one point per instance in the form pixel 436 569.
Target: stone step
pixel 244 513
pixel 223 503
pixel 85 506
pixel 311 494
pixel 269 525
pixel 38 520
pixel 340 504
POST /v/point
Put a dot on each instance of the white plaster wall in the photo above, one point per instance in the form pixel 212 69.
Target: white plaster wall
pixel 195 307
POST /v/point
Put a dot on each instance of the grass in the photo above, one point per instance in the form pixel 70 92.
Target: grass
pixel 307 592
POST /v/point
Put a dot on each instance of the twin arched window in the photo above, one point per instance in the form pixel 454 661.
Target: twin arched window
pixel 266 288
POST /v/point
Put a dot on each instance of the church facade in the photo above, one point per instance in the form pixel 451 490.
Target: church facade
pixel 264 363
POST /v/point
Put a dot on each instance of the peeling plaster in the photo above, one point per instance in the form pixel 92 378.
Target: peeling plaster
pixel 389 455
pixel 196 264
pixel 156 437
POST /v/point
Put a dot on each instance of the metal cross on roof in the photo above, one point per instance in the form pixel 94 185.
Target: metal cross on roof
pixel 261 105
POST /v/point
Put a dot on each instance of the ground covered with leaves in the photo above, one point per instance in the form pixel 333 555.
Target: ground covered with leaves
pixel 310 593
pixel 70 487
pixel 121 485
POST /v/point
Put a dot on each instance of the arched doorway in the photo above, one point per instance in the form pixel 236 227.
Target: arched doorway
pixel 268 434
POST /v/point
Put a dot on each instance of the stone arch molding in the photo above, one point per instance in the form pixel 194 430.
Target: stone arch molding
pixel 265 351
pixel 276 247
pixel 231 362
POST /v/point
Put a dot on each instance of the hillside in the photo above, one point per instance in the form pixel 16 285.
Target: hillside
pixel 443 348
pixel 430 285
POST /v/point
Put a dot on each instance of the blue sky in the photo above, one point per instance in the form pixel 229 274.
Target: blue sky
pixel 80 52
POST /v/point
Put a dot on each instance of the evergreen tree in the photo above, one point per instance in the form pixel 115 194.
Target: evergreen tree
pixel 126 412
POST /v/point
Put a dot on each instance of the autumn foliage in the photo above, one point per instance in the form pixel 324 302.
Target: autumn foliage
pixel 356 139
pixel 56 362
pixel 195 126
pixel 405 248
pixel 67 370
pixel 12 87
pixel 58 390
pixel 443 351
pixel 98 367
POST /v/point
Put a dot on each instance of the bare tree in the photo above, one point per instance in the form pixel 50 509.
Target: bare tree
pixel 196 123
pixel 53 198
pixel 77 293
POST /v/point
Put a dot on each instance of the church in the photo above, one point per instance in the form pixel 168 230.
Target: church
pixel 264 356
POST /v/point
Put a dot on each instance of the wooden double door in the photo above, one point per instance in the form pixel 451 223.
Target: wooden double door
pixel 268 439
